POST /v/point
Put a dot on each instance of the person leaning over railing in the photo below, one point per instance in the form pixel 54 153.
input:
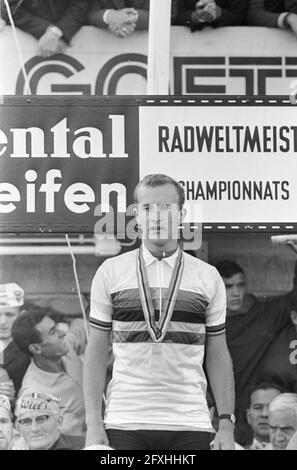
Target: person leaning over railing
pixel 52 22
pixel 273 14
pixel 214 13
pixel 121 17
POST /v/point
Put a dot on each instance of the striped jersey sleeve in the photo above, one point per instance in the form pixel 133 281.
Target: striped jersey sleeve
pixel 101 303
pixel 216 311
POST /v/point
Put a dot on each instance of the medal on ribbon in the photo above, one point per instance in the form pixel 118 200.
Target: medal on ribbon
pixel 158 332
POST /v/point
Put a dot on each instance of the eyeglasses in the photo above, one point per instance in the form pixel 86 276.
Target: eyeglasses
pixel 40 420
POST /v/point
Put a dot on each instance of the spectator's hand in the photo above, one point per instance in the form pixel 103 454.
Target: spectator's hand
pixel 50 44
pixel 201 13
pixel 122 31
pixel 116 19
pixel 224 439
pixel 208 11
pixel 7 389
pixel 62 46
pixel 292 22
pixel 96 435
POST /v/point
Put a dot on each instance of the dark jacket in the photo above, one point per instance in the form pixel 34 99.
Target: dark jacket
pixel 98 7
pixel 34 16
pixel 233 13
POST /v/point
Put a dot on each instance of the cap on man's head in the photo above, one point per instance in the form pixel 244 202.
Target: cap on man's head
pixel 36 404
pixel 5 403
pixel 11 295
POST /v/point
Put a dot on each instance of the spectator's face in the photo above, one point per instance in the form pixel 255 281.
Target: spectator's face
pixel 6 428
pixel 41 431
pixel 52 345
pixel 282 426
pixel 235 290
pixel 7 317
pixel 158 213
pixel 257 414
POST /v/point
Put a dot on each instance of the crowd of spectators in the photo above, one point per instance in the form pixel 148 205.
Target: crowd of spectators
pixel 54 22
pixel 41 382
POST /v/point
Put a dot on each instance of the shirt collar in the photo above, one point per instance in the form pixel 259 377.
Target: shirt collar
pixel 259 444
pixel 149 258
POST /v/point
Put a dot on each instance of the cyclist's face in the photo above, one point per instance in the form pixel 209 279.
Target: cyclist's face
pixel 158 213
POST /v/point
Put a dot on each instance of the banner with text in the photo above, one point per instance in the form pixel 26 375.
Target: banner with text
pixel 238 163
pixel 64 162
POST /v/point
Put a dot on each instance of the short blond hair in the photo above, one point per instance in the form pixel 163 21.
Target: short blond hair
pixel 158 179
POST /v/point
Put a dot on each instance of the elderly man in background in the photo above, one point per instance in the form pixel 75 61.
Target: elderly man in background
pixel 52 22
pixel 282 415
pixel 11 358
pixel 121 17
pixel 39 420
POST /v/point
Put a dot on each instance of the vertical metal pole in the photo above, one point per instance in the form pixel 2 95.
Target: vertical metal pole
pixel 159 47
